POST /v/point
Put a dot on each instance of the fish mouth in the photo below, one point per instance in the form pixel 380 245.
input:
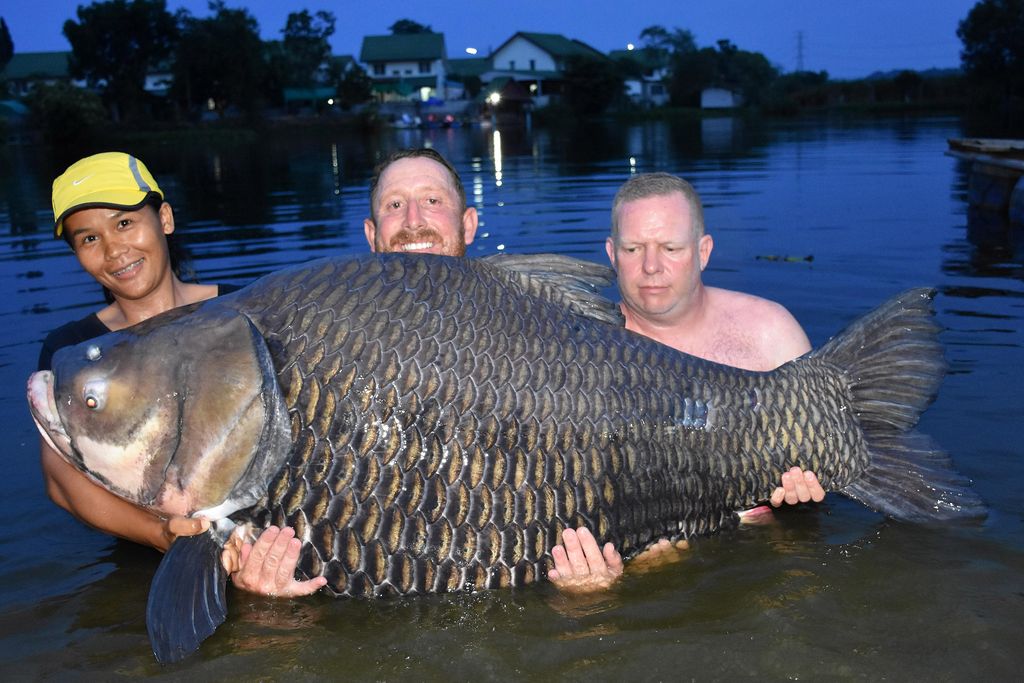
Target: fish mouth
pixel 43 406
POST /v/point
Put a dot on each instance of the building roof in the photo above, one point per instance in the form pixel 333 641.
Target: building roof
pixel 469 66
pixel 411 47
pixel 556 45
pixel 37 65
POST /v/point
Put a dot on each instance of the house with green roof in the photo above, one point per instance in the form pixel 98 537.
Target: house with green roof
pixel 539 61
pixel 26 69
pixel 406 66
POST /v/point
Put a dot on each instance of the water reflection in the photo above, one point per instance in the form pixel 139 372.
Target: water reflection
pixel 829 592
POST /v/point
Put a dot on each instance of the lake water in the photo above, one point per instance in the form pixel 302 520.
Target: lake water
pixel 829 218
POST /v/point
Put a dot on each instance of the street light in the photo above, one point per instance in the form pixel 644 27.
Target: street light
pixel 471 50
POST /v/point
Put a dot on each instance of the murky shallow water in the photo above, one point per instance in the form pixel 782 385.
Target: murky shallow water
pixel 832 591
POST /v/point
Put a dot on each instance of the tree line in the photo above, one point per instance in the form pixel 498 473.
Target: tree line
pixel 219 63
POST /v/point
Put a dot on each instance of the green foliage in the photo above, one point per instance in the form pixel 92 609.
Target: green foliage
pixel 749 73
pixel 305 47
pixel 408 26
pixel 219 58
pixel 691 73
pixel 115 44
pixel 65 114
pixel 353 86
pixel 993 38
pixel 6 44
pixel 665 42
pixel 591 85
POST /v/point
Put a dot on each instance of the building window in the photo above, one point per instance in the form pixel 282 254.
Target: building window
pixel 511 65
pixel 533 65
pixel 424 67
pixel 378 69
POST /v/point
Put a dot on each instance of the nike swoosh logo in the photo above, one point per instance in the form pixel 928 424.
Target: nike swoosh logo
pixel 75 183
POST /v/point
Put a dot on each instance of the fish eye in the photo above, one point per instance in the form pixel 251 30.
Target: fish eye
pixel 94 394
pixel 93 352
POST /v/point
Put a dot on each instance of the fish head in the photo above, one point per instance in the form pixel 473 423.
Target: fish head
pixel 181 414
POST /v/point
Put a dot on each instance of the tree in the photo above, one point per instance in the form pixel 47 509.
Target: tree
pixel 665 42
pixel 993 38
pixel 351 83
pixel 219 59
pixel 749 73
pixel 305 46
pixel 591 85
pixel 6 45
pixel 408 26
pixel 66 115
pixel 115 44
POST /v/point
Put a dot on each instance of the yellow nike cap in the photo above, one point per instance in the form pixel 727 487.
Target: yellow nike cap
pixel 112 180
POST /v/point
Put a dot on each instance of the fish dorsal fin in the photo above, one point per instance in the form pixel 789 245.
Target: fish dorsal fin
pixel 570 282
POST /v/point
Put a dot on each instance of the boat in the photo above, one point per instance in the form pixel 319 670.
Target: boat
pixel 993 147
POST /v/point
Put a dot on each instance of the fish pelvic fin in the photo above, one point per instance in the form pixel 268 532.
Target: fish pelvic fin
pixel 187 599
pixel 894 364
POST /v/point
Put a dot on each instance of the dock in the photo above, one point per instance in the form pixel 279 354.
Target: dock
pixel 995 185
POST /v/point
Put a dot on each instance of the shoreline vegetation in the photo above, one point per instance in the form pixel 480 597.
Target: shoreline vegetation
pixel 219 75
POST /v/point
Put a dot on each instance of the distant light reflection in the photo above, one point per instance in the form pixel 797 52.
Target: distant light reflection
pixel 335 170
pixel 496 141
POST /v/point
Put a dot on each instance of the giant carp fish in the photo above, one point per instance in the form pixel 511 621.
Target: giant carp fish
pixel 432 424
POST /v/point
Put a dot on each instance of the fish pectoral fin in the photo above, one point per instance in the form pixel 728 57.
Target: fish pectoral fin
pixel 187 600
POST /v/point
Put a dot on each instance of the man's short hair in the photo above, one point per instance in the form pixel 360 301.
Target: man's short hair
pixel 412 153
pixel 657 185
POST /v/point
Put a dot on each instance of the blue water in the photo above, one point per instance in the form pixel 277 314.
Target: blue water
pixel 863 208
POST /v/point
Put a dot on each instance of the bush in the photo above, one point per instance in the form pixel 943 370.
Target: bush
pixel 66 114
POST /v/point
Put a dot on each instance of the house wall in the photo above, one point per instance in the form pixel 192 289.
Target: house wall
pixel 516 56
pixel 718 98
pixel 392 69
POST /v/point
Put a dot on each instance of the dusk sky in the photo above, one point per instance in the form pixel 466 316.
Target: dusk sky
pixel 848 39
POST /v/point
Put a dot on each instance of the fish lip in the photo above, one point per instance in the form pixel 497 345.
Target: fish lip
pixel 43 407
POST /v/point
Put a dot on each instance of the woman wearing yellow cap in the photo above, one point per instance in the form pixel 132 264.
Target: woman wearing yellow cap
pixel 111 211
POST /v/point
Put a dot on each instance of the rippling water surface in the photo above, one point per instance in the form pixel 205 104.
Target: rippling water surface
pixel 829 218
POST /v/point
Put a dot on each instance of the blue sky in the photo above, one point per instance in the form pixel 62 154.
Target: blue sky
pixel 847 38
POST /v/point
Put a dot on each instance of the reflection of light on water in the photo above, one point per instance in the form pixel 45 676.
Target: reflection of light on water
pixel 218 169
pixel 334 168
pixel 496 137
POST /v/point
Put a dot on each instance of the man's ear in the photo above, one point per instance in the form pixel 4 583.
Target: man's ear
pixel 470 221
pixel 370 230
pixel 609 248
pixel 705 245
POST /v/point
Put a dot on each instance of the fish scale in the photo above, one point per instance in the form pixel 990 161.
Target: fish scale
pixel 523 379
pixel 431 424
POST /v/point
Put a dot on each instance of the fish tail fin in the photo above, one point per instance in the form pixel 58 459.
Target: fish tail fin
pixel 187 600
pixel 894 362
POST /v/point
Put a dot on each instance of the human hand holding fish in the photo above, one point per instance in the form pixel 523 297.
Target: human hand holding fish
pixel 581 565
pixel 798 486
pixel 267 566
